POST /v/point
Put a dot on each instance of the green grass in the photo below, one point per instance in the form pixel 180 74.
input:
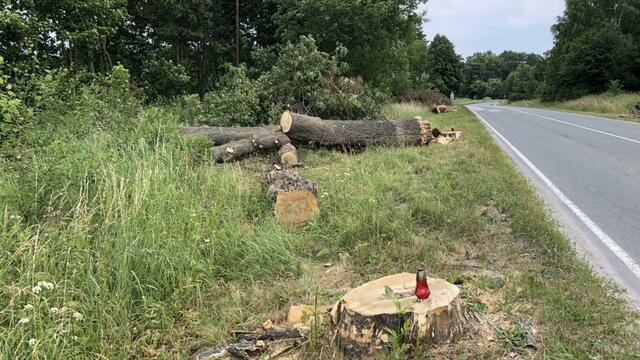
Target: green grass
pixel 164 253
pixel 614 106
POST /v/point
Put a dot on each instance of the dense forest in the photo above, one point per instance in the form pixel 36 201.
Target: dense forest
pixel 369 49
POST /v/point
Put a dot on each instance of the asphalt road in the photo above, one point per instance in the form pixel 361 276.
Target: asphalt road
pixel 587 169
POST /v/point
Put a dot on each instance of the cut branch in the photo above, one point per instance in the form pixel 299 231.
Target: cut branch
pixel 313 130
pixel 236 149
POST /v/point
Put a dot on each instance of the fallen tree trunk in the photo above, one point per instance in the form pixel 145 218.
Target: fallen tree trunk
pixel 313 130
pixel 365 317
pixel 289 155
pixel 223 135
pixel 236 149
pixel 293 198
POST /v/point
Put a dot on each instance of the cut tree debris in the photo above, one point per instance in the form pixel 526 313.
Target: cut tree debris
pixel 272 343
pixel 232 143
pixel 288 155
pixel 294 199
pixel 364 317
pixel 236 149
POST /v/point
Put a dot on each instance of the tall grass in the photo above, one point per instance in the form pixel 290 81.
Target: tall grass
pixel 602 104
pixel 123 241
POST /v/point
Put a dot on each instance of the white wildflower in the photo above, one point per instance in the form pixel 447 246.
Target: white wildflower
pixel 54 310
pixel 32 342
pixel 206 241
pixel 78 316
pixel 24 321
pixel 28 307
pixel 45 284
pixel 36 289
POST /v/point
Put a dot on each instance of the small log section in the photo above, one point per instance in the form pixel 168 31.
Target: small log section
pixel 288 155
pixel 313 130
pixel 361 318
pixel 294 199
pixel 235 149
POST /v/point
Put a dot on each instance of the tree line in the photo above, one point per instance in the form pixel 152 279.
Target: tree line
pixel 173 47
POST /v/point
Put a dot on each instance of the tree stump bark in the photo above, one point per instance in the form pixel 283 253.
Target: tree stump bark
pixel 364 316
pixel 308 129
pixel 236 149
pixel 289 155
pixel 293 198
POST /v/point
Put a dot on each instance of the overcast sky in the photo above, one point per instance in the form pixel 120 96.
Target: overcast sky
pixel 496 25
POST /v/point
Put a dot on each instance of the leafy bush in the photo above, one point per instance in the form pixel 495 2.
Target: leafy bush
pixel 162 79
pixel 615 88
pixel 236 102
pixel 426 97
pixel 311 81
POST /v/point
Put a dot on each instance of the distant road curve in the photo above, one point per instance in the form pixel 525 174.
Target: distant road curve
pixel 587 170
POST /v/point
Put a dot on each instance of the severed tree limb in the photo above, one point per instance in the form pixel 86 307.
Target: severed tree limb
pixel 223 135
pixel 308 129
pixel 236 149
pixel 288 155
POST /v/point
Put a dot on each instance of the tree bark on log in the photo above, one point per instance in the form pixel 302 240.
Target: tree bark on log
pixel 236 149
pixel 222 135
pixel 288 155
pixel 294 199
pixel 364 316
pixel 313 130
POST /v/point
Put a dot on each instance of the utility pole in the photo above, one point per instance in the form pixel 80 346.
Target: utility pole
pixel 237 32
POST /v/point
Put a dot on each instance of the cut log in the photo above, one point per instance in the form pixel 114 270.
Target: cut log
pixel 294 199
pixel 223 135
pixel 313 130
pixel 364 317
pixel 289 155
pixel 447 137
pixel 236 149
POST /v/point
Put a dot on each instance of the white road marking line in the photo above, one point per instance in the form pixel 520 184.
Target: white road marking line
pixel 598 232
pixel 578 126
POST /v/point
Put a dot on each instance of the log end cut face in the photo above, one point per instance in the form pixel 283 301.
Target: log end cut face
pixel 364 316
pixel 296 207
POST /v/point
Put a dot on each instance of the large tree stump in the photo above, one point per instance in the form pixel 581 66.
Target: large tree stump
pixel 222 134
pixel 308 129
pixel 364 316
pixel 294 199
pixel 236 149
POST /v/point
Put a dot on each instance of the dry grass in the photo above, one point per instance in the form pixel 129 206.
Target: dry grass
pixel 617 106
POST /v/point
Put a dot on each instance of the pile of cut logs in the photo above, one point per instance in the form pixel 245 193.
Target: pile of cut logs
pixel 232 143
pixel 293 198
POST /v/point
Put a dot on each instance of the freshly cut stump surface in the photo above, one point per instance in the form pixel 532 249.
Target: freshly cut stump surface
pixel 363 317
pixel 293 198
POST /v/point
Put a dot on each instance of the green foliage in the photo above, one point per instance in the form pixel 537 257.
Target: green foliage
pixel 312 81
pixel 162 79
pixel 445 66
pixel 235 102
pixel 379 35
pixel 596 42
pixel 615 88
pixel 521 84
pixel 511 338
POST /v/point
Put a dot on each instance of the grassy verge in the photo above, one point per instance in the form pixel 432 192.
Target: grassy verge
pixel 613 106
pixel 143 249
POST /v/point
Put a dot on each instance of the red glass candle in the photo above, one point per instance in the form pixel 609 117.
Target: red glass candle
pixel 422 288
